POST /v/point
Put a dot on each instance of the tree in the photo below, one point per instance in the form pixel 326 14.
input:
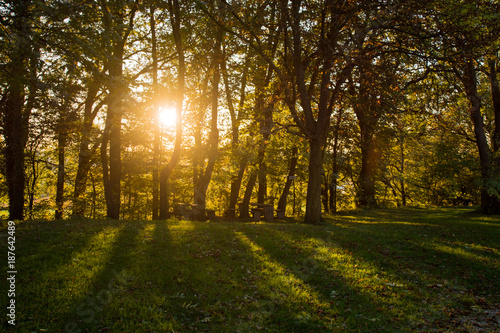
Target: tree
pixel 463 43
pixel 374 92
pixel 156 126
pixel 240 158
pixel 319 41
pixel 64 125
pixel 175 19
pixel 289 180
pixel 202 176
pixel 118 21
pixel 20 51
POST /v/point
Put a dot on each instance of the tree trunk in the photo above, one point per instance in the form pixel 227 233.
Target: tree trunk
pixel 236 184
pixel 333 194
pixel 289 181
pixel 113 177
pixel 335 166
pixel 15 112
pixel 61 147
pixel 495 94
pixel 235 127
pixel 334 180
pixel 94 196
pixel 202 182
pixel 252 179
pixel 114 24
pixel 366 182
pixel 402 178
pixel 156 139
pixel 489 203
pixel 15 133
pixel 313 199
pixel 105 166
pixel 166 172
pixel 368 113
pixel 245 203
pixel 262 190
pixel 324 194
pixel 85 152
pixel 315 124
pixel 33 179
pixel 265 120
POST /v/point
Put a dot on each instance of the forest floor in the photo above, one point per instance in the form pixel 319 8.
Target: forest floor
pixel 386 270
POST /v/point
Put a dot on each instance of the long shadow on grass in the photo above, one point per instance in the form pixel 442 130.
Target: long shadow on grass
pixel 178 266
pixel 155 267
pixel 341 302
pixel 456 247
pixel 211 284
pixel 45 245
pixel 370 292
pixel 413 265
pixel 436 271
pixel 215 279
pixel 90 310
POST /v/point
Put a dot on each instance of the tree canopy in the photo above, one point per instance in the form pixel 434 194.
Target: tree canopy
pixel 128 108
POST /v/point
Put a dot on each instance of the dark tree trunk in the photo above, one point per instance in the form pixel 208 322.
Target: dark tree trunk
pixel 156 139
pixel 252 179
pixel 15 133
pixel 16 109
pixel 85 152
pixel 368 112
pixel 117 91
pixel 325 194
pixel 265 120
pixel 489 203
pixel 495 94
pixel 262 178
pixel 333 193
pixel 289 181
pixel 61 149
pixel 236 184
pixel 112 167
pixel 313 199
pixel 245 203
pixel 366 182
pixel 105 167
pixel 335 165
pixel 34 177
pixel 112 170
pixel 402 179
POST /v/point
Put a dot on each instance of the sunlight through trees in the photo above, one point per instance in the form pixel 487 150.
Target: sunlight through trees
pixel 140 110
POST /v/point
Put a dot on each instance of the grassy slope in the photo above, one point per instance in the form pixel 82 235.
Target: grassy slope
pixel 364 271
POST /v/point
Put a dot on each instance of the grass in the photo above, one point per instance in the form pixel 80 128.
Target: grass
pixel 403 270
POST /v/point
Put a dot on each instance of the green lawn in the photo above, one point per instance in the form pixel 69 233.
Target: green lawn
pixel 364 271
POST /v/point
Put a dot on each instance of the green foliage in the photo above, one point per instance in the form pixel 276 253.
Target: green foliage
pixel 405 92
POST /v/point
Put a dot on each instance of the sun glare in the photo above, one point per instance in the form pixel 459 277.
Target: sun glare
pixel 167 116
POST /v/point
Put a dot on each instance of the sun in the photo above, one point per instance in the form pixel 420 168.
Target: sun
pixel 167 116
